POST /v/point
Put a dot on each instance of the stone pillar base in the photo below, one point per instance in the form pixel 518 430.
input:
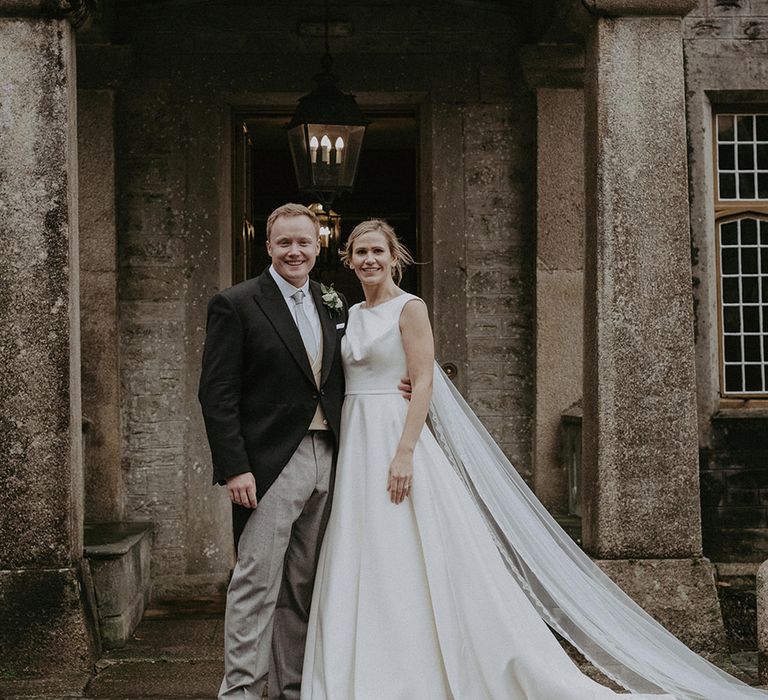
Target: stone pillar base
pixel 680 594
pixel 762 621
pixel 46 627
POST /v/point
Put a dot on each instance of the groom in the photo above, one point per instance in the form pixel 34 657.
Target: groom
pixel 271 391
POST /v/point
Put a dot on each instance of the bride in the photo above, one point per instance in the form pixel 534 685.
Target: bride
pixel 440 571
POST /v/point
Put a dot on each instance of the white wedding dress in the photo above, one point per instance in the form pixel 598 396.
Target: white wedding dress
pixel 417 601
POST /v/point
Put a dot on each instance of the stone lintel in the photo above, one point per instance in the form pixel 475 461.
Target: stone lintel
pixel 76 11
pixel 552 65
pixel 678 593
pixel 622 8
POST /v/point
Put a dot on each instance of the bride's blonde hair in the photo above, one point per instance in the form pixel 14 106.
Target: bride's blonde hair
pixel 399 252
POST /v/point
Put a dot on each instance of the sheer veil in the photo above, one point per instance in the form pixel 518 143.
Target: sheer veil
pixel 568 589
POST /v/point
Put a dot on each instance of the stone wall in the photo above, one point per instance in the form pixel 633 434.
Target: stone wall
pixel 98 306
pixel 726 62
pixel 158 253
pixel 728 27
pixel 559 285
pixel 734 489
pixel 173 148
pixel 500 237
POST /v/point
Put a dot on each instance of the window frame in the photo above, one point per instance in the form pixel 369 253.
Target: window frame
pixel 727 210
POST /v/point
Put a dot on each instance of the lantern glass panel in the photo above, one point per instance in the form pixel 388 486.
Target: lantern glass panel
pixel 325 156
pixel 299 145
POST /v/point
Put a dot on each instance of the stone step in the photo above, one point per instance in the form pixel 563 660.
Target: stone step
pixel 118 554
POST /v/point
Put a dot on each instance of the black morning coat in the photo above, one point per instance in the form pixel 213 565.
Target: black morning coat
pixel 257 390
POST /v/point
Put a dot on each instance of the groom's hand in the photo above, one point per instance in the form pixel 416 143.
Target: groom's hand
pixel 242 489
pixel 405 388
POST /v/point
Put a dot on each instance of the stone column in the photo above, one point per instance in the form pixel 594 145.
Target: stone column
pixel 98 302
pixel 45 625
pixel 556 74
pixel 761 585
pixel 444 243
pixel 101 68
pixel 640 468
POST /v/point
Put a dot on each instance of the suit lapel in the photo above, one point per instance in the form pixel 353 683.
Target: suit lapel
pixel 272 303
pixel 329 330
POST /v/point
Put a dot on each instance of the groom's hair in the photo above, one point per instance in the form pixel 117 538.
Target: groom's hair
pixel 292 209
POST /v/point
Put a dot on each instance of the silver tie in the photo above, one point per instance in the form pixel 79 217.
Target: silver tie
pixel 305 327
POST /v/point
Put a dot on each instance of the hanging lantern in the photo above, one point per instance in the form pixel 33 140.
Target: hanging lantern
pixel 325 137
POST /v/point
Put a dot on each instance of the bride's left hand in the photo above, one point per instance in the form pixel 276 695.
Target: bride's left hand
pixel 400 479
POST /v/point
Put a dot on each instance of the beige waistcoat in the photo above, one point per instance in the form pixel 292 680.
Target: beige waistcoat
pixel 318 420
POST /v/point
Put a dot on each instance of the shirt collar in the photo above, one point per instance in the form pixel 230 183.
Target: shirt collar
pixel 285 287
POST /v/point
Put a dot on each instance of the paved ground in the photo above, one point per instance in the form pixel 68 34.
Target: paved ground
pixel 175 653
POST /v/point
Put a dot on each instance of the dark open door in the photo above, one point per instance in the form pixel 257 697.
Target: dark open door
pixel 243 231
pixel 386 187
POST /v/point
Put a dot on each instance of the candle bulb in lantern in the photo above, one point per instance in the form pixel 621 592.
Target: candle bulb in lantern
pixel 325 236
pixel 339 149
pixel 313 144
pixel 325 144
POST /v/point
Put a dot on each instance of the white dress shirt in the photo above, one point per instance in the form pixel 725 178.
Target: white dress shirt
pixel 287 289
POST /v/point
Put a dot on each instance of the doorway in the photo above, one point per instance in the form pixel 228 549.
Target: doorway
pixel 386 187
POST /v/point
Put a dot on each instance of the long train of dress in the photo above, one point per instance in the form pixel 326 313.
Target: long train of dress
pixel 417 601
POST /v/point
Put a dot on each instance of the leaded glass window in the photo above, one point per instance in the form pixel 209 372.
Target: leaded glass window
pixel 744 304
pixel 742 156
pixel 741 215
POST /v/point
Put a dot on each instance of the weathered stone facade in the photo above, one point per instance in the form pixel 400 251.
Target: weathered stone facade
pixel 726 63
pixel 530 311
pixel 98 303
pixel 477 132
pixel 154 284
pixel 500 240
pixel 559 276
pixel 639 406
pixel 173 151
pixel 45 625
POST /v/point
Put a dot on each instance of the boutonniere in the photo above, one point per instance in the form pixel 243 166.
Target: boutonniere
pixel 331 300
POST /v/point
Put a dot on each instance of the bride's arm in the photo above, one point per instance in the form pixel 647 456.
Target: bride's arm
pixel 419 348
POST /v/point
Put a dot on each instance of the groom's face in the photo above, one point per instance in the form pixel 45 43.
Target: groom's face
pixel 293 246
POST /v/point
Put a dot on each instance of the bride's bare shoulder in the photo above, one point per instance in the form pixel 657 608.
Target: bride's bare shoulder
pixel 414 310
